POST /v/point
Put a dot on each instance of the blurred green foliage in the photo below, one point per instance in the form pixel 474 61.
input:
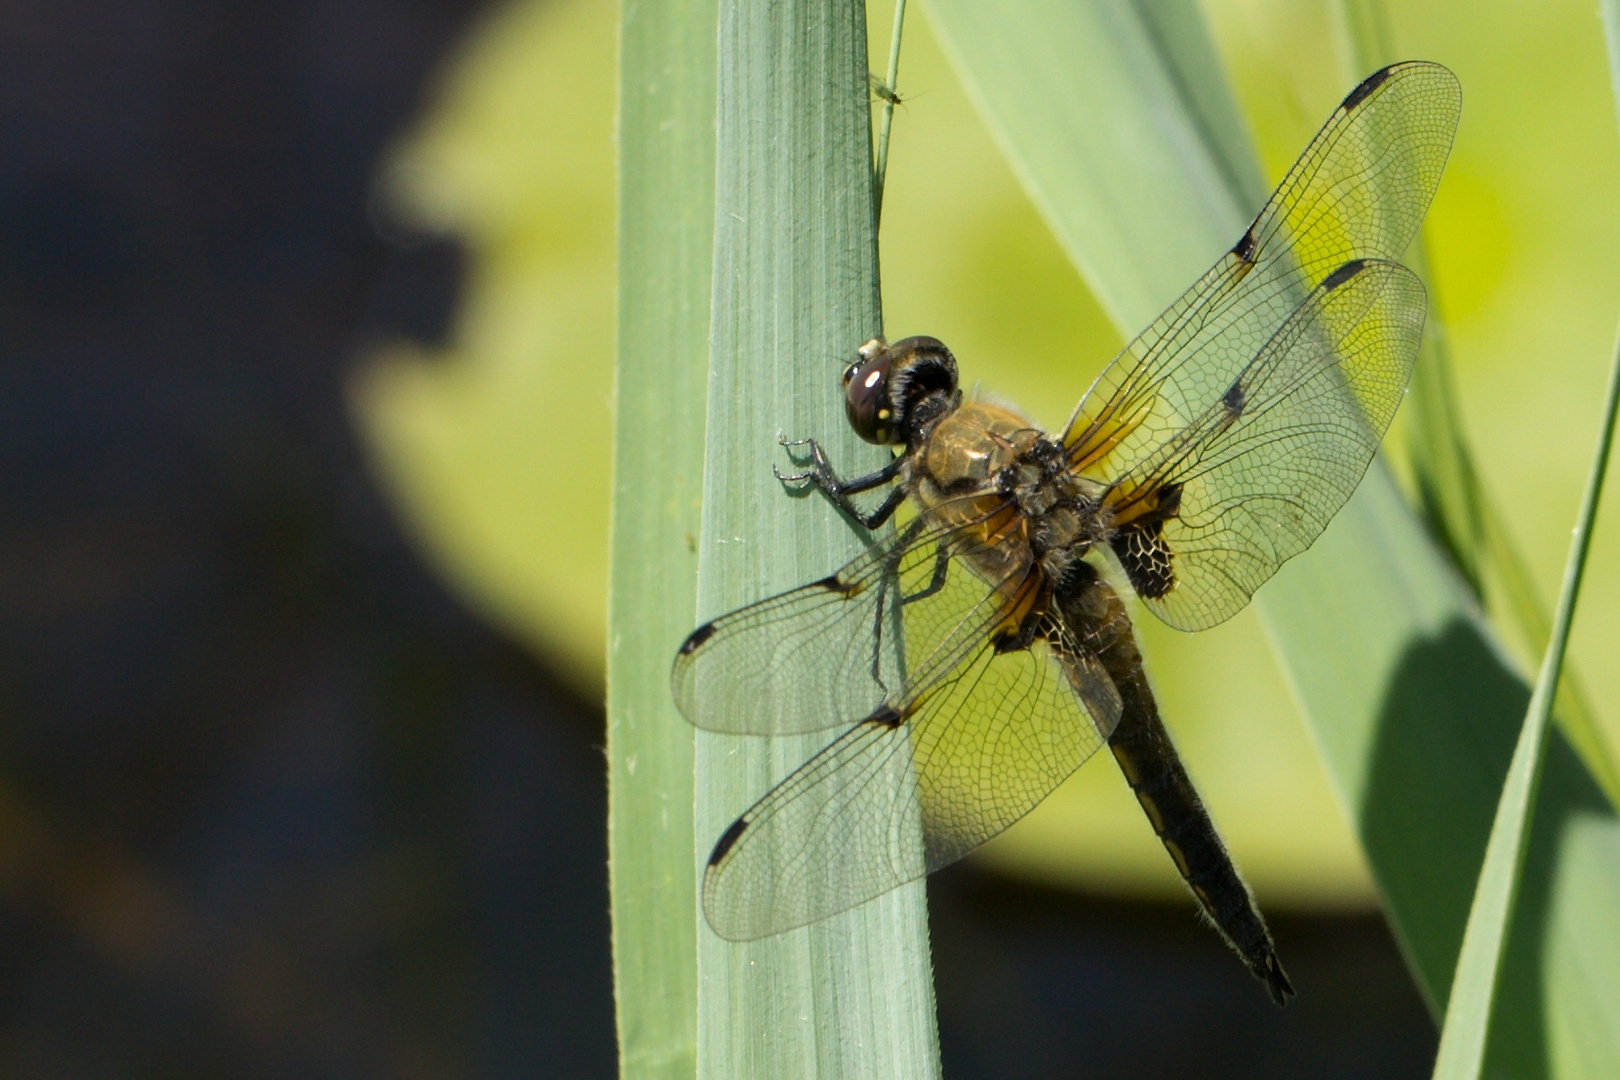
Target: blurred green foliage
pixel 498 450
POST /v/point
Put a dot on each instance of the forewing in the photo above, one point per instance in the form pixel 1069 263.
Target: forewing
pixel 826 654
pixel 1359 191
pixel 904 794
pixel 1264 469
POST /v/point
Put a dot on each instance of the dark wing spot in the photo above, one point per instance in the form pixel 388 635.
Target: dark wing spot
pixel 1244 248
pixel 1368 85
pixel 833 583
pixel 1169 502
pixel 1232 400
pixel 885 716
pixel 1343 274
pixel 1023 635
pixel 696 638
pixel 727 840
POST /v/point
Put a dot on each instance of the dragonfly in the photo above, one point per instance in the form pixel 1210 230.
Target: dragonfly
pixel 979 652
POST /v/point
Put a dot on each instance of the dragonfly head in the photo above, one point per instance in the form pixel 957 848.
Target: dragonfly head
pixel 894 393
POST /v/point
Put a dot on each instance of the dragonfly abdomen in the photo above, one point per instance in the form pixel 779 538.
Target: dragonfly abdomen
pixel 1148 758
pixel 1151 766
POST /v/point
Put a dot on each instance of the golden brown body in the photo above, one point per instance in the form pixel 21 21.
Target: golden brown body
pixel 972 458
pixel 975 656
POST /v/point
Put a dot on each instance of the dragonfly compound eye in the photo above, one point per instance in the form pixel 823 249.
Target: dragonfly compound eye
pixel 866 398
pixel 891 389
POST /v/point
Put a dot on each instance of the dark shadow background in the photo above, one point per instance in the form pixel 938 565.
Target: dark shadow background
pixel 271 803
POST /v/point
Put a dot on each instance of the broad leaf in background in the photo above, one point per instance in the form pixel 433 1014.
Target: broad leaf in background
pixel 1464 1035
pixel 1118 120
pixel 1468 1013
pixel 1450 497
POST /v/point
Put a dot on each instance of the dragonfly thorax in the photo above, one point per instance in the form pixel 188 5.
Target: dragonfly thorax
pixel 1010 488
pixel 1062 516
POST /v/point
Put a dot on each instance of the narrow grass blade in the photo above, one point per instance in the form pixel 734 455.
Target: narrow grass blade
pixel 1119 122
pixel 1513 597
pixel 795 293
pixel 666 208
pixel 891 85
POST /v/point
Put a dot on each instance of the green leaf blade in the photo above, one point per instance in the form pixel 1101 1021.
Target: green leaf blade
pixel 1010 60
pixel 795 292
pixel 666 207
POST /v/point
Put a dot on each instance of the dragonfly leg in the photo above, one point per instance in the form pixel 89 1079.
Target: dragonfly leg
pixel 877 633
pixel 942 565
pixel 891 574
pixel 820 474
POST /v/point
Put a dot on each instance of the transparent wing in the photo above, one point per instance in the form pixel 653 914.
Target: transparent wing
pixel 1359 191
pixel 1257 477
pixel 826 654
pixel 908 791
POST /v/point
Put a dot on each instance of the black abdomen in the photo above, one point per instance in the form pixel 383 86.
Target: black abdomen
pixel 1151 766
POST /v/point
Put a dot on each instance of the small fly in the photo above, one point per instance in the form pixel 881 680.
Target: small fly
pixel 978 655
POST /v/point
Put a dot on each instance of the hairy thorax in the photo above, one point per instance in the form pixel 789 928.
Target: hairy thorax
pixel 1007 490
